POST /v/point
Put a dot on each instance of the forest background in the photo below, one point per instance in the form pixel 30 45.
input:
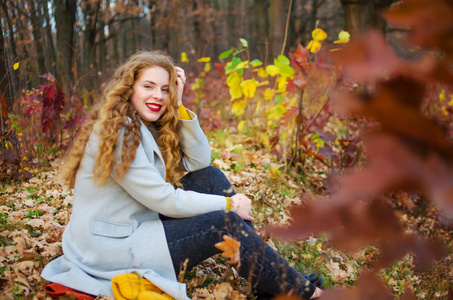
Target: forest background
pixel 301 103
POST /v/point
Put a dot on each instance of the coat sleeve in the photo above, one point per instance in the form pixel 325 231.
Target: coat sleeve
pixel 194 145
pixel 144 183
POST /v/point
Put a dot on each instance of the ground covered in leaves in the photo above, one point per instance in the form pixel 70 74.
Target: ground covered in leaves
pixel 33 216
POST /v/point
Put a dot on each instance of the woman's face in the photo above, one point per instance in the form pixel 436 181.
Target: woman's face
pixel 150 93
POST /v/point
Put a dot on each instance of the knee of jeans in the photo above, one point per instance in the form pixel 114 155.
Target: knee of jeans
pixel 235 225
pixel 228 220
pixel 208 171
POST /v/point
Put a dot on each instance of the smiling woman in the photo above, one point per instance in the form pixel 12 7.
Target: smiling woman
pixel 150 93
pixel 128 213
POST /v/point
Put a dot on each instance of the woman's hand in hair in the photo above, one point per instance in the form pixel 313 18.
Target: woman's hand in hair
pixel 242 205
pixel 180 81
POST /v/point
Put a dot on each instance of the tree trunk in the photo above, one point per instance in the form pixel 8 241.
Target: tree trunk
pixel 91 16
pixel 37 24
pixel 125 40
pixel 25 81
pixel 50 53
pixel 360 15
pixel 153 7
pixel 5 86
pixel 133 36
pixel 261 29
pixel 103 56
pixel 232 23
pixel 277 23
pixel 12 73
pixel 215 29
pixel 198 43
pixel 115 52
pixel 65 15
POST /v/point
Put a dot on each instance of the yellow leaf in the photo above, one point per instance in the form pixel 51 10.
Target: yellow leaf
pixel 275 173
pixel 276 112
pixel 282 83
pixel 258 106
pixel 234 79
pixel 314 46
pixel 261 73
pixel 442 96
pixel 230 249
pixel 235 92
pixel 272 70
pixel 16 66
pixel 343 37
pixel 207 67
pixel 318 34
pixel 265 140
pixel 184 57
pixel 241 125
pixel 249 88
pixel 204 59
pixel 243 65
pixel 268 94
pixel 262 83
pixel 239 107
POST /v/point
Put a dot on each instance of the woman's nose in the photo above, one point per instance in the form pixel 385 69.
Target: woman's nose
pixel 157 94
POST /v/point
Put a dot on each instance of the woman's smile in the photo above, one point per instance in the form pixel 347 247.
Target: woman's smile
pixel 154 107
pixel 150 93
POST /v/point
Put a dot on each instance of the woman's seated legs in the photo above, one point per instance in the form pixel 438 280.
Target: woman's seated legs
pixel 209 180
pixel 194 239
pixel 267 272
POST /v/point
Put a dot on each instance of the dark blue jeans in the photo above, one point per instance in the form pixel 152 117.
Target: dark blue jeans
pixel 194 239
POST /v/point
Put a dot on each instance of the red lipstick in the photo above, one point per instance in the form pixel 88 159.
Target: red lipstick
pixel 154 107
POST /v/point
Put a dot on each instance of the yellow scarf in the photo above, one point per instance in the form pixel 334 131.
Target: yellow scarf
pixel 132 287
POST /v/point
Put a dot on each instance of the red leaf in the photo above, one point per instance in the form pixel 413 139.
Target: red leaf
pixel 393 165
pixel 367 59
pixel 368 287
pixel 430 23
pixel 395 105
pixel 290 115
pixel 219 66
pixel 300 58
pixel 52 104
pixel 425 251
pixel 73 122
pixel 408 294
pixel 4 107
pixel 300 81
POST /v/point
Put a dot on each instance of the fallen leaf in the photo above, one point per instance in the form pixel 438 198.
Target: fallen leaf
pixel 230 248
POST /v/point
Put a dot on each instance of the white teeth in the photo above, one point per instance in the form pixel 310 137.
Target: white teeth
pixel 154 105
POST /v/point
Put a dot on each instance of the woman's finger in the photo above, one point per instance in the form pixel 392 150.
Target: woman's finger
pixel 180 74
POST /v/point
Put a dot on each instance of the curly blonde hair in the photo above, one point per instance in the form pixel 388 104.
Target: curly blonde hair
pixel 111 115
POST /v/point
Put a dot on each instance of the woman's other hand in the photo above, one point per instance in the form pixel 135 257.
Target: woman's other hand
pixel 242 205
pixel 180 81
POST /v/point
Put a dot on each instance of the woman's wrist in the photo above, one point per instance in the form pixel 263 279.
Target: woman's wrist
pixel 228 203
pixel 183 113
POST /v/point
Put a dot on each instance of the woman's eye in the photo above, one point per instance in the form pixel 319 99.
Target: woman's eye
pixel 147 86
pixel 166 90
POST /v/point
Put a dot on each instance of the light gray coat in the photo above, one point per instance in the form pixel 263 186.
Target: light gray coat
pixel 115 228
